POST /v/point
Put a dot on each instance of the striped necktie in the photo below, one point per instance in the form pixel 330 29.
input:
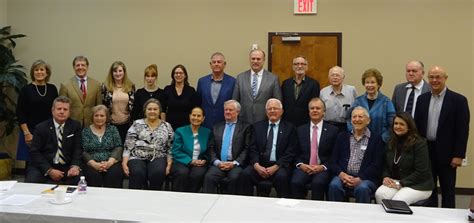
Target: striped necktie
pixel 59 158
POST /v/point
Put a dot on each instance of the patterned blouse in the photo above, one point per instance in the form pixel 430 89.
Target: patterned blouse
pixel 101 148
pixel 143 143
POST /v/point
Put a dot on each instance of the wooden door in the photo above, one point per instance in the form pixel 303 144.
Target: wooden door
pixel 322 50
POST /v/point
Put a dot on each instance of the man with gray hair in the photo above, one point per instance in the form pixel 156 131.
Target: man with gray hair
pixel 357 161
pixel 228 150
pixel 215 89
pixel 297 91
pixel 406 94
pixel 338 98
pixel 269 160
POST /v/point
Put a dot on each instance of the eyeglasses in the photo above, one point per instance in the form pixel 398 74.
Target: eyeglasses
pixel 299 64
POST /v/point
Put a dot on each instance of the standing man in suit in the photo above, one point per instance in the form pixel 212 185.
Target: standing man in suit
pixel 83 91
pixel 442 117
pixel 356 161
pixel 215 89
pixel 228 149
pixel 254 87
pixel 406 94
pixel 315 142
pixel 338 98
pixel 56 151
pixel 297 91
pixel 271 153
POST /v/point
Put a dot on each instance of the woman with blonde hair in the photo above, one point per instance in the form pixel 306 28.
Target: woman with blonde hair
pixel 118 94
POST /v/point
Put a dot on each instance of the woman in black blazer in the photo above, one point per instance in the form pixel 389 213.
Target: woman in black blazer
pixel 407 172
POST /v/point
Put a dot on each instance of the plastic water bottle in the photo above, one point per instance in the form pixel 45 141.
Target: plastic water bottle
pixel 82 186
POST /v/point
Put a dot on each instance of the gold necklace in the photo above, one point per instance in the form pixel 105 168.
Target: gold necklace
pixel 45 90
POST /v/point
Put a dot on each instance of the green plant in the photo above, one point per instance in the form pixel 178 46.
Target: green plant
pixel 12 79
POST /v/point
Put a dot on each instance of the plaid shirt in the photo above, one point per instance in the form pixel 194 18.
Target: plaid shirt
pixel 358 148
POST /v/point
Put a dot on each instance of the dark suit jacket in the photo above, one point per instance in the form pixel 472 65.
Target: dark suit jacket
pixel 81 110
pixel 400 94
pixel 253 110
pixel 214 112
pixel 453 125
pixel 325 146
pixel 45 144
pixel 372 163
pixel 296 110
pixel 286 144
pixel 241 140
pixel 183 144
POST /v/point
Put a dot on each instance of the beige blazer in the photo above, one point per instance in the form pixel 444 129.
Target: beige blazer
pixel 81 110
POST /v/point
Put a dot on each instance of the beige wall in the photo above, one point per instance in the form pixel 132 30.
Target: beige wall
pixel 376 33
pixel 3 13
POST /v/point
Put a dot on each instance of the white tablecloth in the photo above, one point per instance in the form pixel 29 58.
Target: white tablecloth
pixel 122 205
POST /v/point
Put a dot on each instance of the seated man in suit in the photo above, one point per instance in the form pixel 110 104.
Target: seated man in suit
pixel 228 149
pixel 271 152
pixel 315 143
pixel 56 151
pixel 214 89
pixel 83 91
pixel 356 161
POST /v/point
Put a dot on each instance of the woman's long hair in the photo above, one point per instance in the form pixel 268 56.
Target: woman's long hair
pixel 410 137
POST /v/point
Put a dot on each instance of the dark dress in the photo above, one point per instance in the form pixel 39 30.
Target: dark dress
pixel 141 96
pixel 178 107
pixel 31 109
pixel 101 149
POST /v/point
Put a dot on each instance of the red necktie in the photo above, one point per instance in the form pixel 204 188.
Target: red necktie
pixel 313 160
pixel 83 89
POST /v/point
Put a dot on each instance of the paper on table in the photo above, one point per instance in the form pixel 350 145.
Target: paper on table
pixel 287 202
pixel 19 199
pixel 7 185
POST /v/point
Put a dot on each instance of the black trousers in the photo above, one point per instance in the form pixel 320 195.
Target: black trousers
pixel 112 178
pixel 446 175
pixel 187 179
pixel 122 129
pixel 147 174
pixel 249 178
pixel 319 184
pixel 214 176
pixel 34 175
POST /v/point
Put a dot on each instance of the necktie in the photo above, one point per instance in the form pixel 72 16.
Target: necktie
pixel 254 85
pixel 269 145
pixel 313 160
pixel 411 98
pixel 226 141
pixel 83 89
pixel 59 158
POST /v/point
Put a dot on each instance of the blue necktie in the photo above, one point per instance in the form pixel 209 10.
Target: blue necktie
pixel 226 141
pixel 254 85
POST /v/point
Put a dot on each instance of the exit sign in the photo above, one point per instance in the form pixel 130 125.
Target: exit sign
pixel 305 6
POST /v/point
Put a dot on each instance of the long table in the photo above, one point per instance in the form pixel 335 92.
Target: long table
pixel 125 205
